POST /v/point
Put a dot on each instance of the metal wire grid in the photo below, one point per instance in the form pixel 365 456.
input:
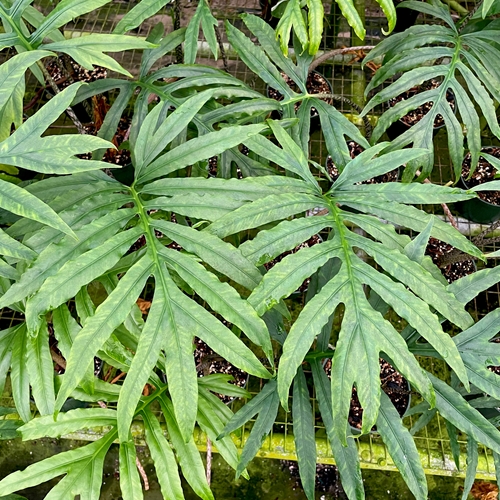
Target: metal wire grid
pixel 432 441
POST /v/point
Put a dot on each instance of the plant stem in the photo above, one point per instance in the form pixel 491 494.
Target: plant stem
pixel 465 21
pixel 55 88
pixel 337 52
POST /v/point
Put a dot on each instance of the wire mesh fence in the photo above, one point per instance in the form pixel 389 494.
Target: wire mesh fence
pixel 344 76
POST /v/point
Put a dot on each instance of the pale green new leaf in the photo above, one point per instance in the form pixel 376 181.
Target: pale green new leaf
pixel 352 17
pixel 315 24
pixel 303 431
pixel 401 447
pixel 292 18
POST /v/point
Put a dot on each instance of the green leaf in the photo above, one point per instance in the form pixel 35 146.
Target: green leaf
pixel 219 384
pixel 352 17
pixel 151 342
pixel 202 17
pixel 130 483
pixel 187 454
pixel 401 447
pixel 13 248
pixel 41 370
pixel 88 51
pixel 11 81
pixel 139 13
pixel 19 377
pixel 255 58
pixel 221 297
pixel 412 218
pixel 472 461
pixel 213 414
pixel 267 39
pixel 68 422
pixel 218 254
pixel 8 430
pixel 198 321
pixel 50 260
pixel 59 464
pixel 53 154
pixel 416 277
pixel 248 189
pixel 346 457
pixel 468 287
pixel 286 276
pixel 285 236
pixel 65 11
pixel 250 409
pixel 458 411
pixel 263 211
pixel 365 166
pixel 261 428
pixel 154 137
pixel 166 45
pixel 109 315
pixel 20 202
pixel 303 431
pixel 197 149
pixel 78 272
pixel 163 457
pixel 411 194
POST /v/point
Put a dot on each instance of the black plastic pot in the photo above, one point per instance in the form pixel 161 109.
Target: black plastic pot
pixel 476 209
pixel 406 18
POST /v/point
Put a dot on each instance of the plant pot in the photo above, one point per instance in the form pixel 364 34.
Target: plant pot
pixel 481 209
pixel 452 272
pixel 400 126
pixel 406 18
pixel 316 84
pixel 393 384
